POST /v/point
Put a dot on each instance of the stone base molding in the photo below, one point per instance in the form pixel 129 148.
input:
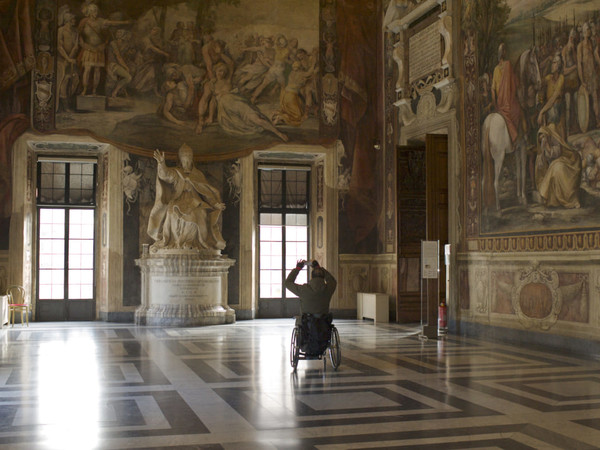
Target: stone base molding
pixel 184 315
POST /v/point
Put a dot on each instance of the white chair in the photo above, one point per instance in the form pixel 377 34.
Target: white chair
pixel 17 303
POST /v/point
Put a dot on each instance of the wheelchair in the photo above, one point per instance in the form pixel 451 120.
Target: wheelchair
pixel 312 338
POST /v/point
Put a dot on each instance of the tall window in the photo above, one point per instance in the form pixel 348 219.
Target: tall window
pixel 283 225
pixel 66 198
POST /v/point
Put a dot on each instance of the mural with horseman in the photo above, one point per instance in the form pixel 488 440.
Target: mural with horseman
pixel 538 65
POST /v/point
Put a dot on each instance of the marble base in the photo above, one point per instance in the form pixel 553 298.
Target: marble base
pixel 184 290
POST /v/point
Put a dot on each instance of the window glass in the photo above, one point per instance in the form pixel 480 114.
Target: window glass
pixel 271 189
pixel 66 183
pixel 296 186
pixel 283 229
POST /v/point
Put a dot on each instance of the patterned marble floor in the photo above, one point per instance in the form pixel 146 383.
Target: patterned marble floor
pixel 113 386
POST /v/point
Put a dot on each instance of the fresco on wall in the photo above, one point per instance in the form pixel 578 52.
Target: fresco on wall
pixel 534 69
pixel 221 75
pixel 360 129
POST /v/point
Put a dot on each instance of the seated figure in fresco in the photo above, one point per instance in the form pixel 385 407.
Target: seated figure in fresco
pixel 292 106
pixel 187 209
pixel 557 169
pixel 179 90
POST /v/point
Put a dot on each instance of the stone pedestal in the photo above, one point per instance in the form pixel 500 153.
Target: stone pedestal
pixel 184 290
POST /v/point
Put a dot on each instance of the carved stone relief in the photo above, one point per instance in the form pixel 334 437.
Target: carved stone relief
pixel 406 114
pixel 480 291
pixel 234 181
pixel 398 55
pixel 384 279
pixel 358 278
pixel 419 102
pixel 449 93
pixel 426 106
pixel 130 182
pixel 329 85
pixel 41 66
pixel 445 25
pixel 502 283
pixel 320 186
pixel 343 176
pixel 536 298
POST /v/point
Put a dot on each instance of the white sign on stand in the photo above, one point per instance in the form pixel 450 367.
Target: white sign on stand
pixel 430 268
pixel 430 259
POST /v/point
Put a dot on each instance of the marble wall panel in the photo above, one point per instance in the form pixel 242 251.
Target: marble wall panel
pixel 366 273
pixel 557 294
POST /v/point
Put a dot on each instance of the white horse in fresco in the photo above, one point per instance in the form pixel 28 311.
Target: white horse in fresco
pixel 495 145
pixel 529 75
pixel 496 140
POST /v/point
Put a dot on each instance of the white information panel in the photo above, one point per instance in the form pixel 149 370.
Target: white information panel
pixel 430 258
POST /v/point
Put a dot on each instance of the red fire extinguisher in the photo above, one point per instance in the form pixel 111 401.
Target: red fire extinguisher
pixel 442 318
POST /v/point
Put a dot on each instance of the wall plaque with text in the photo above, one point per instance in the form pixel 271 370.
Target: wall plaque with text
pixel 424 52
pixel 182 289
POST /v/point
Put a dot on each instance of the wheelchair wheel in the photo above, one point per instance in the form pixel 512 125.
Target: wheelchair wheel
pixel 335 350
pixel 294 348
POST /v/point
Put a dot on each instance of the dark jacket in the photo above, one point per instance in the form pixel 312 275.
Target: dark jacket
pixel 314 295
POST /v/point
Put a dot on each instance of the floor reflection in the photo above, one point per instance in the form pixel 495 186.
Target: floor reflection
pixel 117 386
pixel 68 385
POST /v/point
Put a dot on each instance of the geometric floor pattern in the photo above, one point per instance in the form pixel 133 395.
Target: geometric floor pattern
pixel 116 386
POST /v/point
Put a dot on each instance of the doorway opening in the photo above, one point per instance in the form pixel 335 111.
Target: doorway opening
pixel 66 210
pixel 283 212
pixel 422 201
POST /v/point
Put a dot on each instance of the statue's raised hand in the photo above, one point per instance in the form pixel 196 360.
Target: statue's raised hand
pixel 159 156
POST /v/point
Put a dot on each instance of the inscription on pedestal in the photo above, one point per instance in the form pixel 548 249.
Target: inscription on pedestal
pixel 184 290
pixel 181 290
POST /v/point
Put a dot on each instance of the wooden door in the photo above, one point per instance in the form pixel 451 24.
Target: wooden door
pixel 411 214
pixel 437 218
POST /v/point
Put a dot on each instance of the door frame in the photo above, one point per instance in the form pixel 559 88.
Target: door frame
pixel 285 306
pixel 324 161
pixel 436 192
pixel 444 123
pixel 65 309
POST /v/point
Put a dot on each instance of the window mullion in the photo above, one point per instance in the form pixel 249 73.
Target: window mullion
pixel 283 254
pixel 66 264
pixel 67 184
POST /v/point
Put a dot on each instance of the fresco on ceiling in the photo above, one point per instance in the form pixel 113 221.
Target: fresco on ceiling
pixel 536 92
pixel 219 75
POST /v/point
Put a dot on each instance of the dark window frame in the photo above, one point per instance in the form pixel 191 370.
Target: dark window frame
pixel 284 210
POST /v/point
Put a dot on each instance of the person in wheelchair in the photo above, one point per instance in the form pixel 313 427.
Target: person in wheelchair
pixel 315 296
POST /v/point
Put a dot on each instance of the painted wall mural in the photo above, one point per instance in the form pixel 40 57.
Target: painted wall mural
pixel 532 116
pixel 220 75
pixel 360 123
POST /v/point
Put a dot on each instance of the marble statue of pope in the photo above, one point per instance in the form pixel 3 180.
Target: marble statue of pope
pixel 187 209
